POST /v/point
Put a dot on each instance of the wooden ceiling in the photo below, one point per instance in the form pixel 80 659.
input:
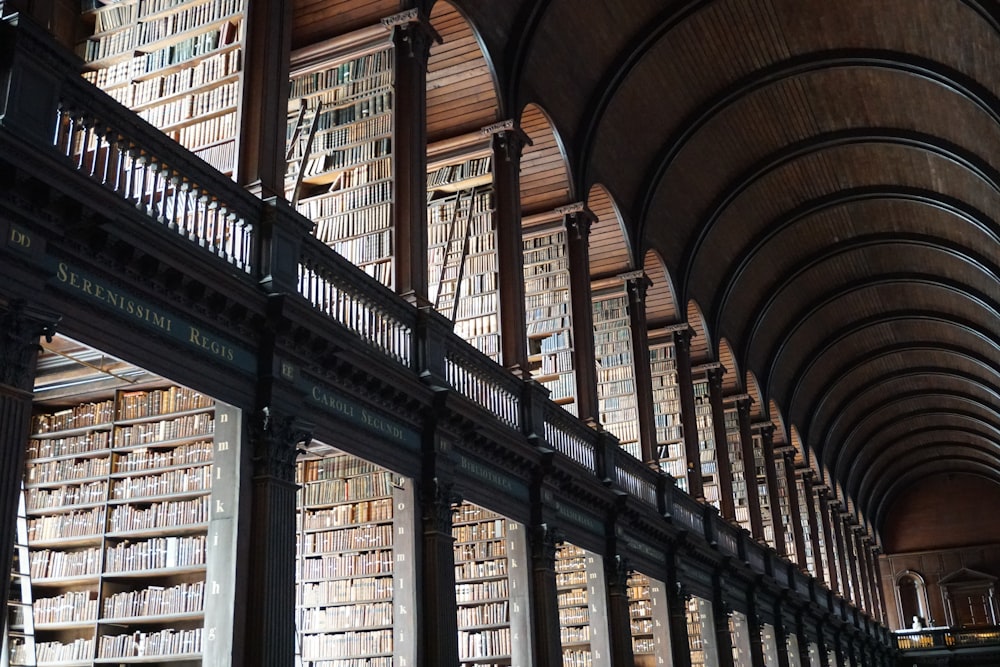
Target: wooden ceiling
pixel 817 180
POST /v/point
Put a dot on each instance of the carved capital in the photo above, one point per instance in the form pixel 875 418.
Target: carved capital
pixel 683 336
pixel 276 444
pixel 20 328
pixel 412 31
pixel 507 140
pixel 578 219
pixel 546 539
pixel 637 283
pixel 440 504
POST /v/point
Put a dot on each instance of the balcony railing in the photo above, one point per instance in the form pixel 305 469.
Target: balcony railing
pixel 71 127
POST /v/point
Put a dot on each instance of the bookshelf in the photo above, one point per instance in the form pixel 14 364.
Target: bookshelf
pixel 783 511
pixel 490 588
pixel 548 308
pixel 648 620
pixel 581 599
pixel 706 442
pixel 463 266
pixel 615 357
pixel 667 410
pixel 117 498
pixel 353 524
pixel 339 148
pixel 763 495
pixel 734 445
pixel 808 559
pixel 698 631
pixel 769 642
pixel 19 639
pixel 739 633
pixel 176 63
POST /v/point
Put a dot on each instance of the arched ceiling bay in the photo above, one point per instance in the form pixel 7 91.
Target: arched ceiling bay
pixel 821 179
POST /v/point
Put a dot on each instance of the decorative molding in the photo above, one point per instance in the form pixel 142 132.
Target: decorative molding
pixel 20 328
pixel 276 444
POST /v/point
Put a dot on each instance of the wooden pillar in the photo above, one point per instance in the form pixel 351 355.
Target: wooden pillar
pixel 411 38
pixel 685 385
pixel 578 222
pixel 264 101
pixel 438 632
pixel 637 283
pixel 781 635
pixel 724 469
pixel 771 471
pixel 791 483
pixel 750 470
pixel 619 621
pixel 831 562
pixel 807 482
pixel 508 142
pixel 843 560
pixel 721 610
pixel 677 600
pixel 270 635
pixel 20 328
pixel 544 596
pixel 756 626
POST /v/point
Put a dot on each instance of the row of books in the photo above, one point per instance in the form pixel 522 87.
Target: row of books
pixel 343 591
pixel 455 173
pixel 155 601
pixel 193 47
pixel 72 524
pixel 114 15
pixel 616 391
pixel 323 163
pixel 332 566
pixel 542 254
pixel 479 569
pixel 562 387
pixel 49 564
pixel 304 85
pixel 203 72
pixel 151 459
pixel 92 441
pixel 482 530
pixel 70 607
pixel 191 16
pixel 577 658
pixel 336 202
pixel 572 633
pixel 143 644
pixel 483 643
pixel 221 156
pixel 184 480
pixel 347 617
pixel 574 597
pixel 372 536
pixel 38 499
pixel 193 106
pixel 491 589
pixel 337 137
pixel 479 550
pixel 157 402
pixel 347 514
pixel 555 281
pixel 349 91
pixel 66 470
pixel 319 646
pixel 206 132
pixel 172 514
pixel 572 578
pixel 56 651
pixel 334 226
pixel 340 489
pixel 335 467
pixel 490 613
pixel 80 416
pixel 364 249
pixel 556 299
pixel 154 554
pixel 189 426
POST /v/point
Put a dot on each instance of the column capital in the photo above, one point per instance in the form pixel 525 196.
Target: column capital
pixel 411 28
pixel 442 501
pixel 21 325
pixel 507 139
pixel 546 539
pixel 276 441
pixel 682 335
pixel 637 283
pixel 714 372
pixel 766 430
pixel 578 219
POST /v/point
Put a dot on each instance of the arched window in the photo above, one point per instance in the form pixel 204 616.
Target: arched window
pixel 911 600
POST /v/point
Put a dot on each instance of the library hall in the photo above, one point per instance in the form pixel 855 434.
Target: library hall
pixel 500 333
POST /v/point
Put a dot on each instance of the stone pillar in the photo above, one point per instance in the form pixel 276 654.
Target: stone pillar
pixel 637 283
pixel 677 599
pixel 685 385
pixel 756 631
pixel 544 596
pixel 781 635
pixel 578 222
pixel 508 141
pixel 20 329
pixel 791 483
pixel 270 635
pixel 724 469
pixel 266 56
pixel 750 470
pixel 721 611
pixel 411 37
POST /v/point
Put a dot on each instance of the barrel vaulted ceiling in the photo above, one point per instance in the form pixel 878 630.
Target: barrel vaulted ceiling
pixel 820 179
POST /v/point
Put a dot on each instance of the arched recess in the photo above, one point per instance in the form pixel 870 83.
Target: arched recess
pixel 801 456
pixel 757 410
pixel 461 84
pixel 546 181
pixel 911 600
pixel 777 418
pixel 701 344
pixel 732 380
pixel 610 246
pixel 313 20
pixel 661 300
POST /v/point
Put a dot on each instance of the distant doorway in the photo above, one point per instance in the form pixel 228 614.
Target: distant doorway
pixel 911 600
